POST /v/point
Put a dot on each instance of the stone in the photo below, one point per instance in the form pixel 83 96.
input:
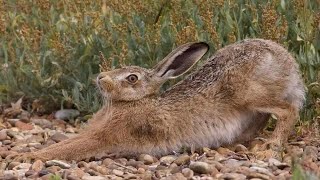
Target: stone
pixel 277 163
pixel 58 137
pixel 167 160
pixel 107 162
pixel 3 134
pixel 12 165
pixel 182 159
pixel 240 148
pixel 30 173
pixel 88 177
pixel 146 159
pixel 232 176
pixel 22 166
pixel 43 172
pixel 53 169
pixel 67 114
pixel 258 175
pixel 10 175
pixel 44 123
pixel 262 170
pixel 117 172
pixel 23 126
pixel 187 172
pixel 61 164
pixel 200 167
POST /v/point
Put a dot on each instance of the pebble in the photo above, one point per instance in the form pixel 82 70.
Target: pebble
pixel 240 148
pixel 42 123
pixel 58 137
pixel 61 164
pixel 166 160
pixel 67 114
pixel 88 177
pixel 182 159
pixel 232 176
pixel 117 172
pixel 43 172
pixel 3 134
pixel 22 166
pixel 23 126
pixel 187 172
pixel 147 159
pixel 10 175
pixel 200 167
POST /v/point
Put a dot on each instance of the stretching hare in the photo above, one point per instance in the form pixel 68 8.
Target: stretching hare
pixel 229 98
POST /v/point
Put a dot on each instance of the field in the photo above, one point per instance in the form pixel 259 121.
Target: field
pixel 50 49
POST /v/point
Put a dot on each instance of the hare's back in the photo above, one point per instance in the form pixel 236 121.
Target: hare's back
pixel 259 69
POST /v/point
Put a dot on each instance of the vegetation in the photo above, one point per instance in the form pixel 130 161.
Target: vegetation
pixel 49 49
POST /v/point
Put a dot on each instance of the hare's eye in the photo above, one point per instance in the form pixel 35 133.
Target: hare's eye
pixel 132 78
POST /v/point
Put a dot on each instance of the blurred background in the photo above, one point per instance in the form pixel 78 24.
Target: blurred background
pixel 49 49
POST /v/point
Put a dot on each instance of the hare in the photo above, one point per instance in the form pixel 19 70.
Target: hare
pixel 229 98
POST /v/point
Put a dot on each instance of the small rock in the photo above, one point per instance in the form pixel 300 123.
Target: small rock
pixel 141 171
pixel 240 148
pixel 188 173
pixel 167 159
pixel 182 159
pixel 3 134
pixel 53 169
pixel 200 167
pixel 147 159
pixel 58 163
pixel 12 165
pixel 88 177
pixel 107 162
pixel 25 116
pixel 22 166
pixel 233 163
pixel 224 151
pixel 262 170
pixel 47 177
pixel 258 175
pixel 30 173
pixel 117 172
pixel 278 164
pixel 23 126
pixel 231 176
pixel 218 157
pixel 10 175
pixel 58 137
pixel 43 172
pixel 44 123
pixel 67 114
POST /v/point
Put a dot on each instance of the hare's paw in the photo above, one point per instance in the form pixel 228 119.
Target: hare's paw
pixel 269 148
pixel 20 157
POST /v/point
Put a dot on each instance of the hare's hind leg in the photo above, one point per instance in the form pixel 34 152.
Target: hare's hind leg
pixel 258 122
pixel 286 115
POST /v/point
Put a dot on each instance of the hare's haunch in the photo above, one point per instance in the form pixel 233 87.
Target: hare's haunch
pixel 228 99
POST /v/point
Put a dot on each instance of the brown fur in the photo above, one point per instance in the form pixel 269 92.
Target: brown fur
pixel 231 95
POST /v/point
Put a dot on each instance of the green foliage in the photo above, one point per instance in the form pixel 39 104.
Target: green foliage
pixel 50 49
pixel 55 177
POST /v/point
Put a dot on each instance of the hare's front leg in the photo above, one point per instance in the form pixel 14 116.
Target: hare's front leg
pixel 77 148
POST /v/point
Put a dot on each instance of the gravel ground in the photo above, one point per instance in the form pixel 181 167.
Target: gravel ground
pixel 237 162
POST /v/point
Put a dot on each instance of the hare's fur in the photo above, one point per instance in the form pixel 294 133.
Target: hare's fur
pixel 229 98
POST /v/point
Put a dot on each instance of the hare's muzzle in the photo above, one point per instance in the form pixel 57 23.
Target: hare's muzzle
pixel 105 82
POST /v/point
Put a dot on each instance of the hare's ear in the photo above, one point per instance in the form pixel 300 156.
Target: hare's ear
pixel 180 60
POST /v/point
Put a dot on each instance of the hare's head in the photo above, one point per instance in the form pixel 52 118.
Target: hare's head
pixel 133 83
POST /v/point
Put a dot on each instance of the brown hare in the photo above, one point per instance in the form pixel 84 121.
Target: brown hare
pixel 229 98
